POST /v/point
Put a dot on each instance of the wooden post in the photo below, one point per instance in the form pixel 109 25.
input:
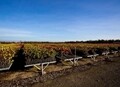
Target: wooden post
pixel 42 69
pixel 36 67
pixel 74 57
pixel 94 57
pixel 107 55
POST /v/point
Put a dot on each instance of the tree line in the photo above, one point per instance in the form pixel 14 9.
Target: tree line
pixel 88 41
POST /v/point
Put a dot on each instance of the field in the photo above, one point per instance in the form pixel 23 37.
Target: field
pixel 86 73
pixel 41 52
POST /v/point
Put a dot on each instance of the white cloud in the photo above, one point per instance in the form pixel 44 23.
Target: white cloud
pixel 26 35
pixel 14 33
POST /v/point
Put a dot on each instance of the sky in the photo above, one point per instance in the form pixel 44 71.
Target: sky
pixel 59 20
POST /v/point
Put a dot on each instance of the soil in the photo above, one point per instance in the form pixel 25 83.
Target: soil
pixel 106 74
pixel 99 73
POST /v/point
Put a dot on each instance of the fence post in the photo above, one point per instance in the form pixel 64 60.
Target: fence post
pixel 74 57
pixel 42 68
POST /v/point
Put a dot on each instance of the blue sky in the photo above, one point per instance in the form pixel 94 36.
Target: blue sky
pixel 59 20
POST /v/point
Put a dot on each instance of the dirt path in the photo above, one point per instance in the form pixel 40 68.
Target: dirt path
pixel 103 75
